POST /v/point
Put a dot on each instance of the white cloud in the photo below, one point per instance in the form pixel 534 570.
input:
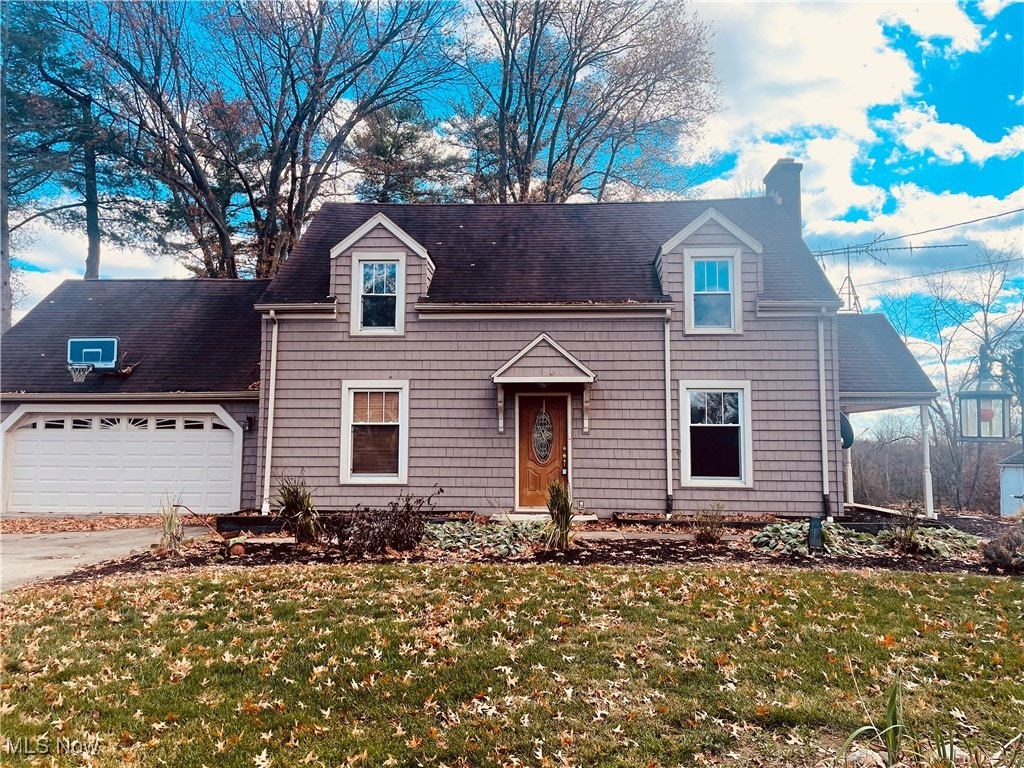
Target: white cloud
pixel 919 209
pixel 992 8
pixel 936 22
pixel 61 256
pixel 918 129
pixel 789 67
pixel 826 180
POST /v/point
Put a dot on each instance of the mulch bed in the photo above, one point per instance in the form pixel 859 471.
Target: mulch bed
pixel 208 552
pixel 204 554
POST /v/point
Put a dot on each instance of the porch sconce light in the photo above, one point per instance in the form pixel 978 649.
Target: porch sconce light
pixel 984 406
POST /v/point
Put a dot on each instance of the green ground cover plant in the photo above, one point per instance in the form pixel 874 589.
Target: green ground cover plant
pixel 937 543
pixel 507 540
pixel 478 665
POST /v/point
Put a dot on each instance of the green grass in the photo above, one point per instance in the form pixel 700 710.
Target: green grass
pixel 504 665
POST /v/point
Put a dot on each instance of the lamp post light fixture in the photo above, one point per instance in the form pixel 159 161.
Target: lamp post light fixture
pixel 985 403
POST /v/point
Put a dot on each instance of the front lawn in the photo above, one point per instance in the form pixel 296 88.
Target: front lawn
pixel 472 665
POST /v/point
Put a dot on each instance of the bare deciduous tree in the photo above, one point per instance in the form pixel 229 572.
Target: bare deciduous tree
pixel 961 313
pixel 241 109
pixel 586 96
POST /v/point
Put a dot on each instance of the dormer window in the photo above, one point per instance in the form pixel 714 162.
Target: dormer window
pixel 378 295
pixel 713 290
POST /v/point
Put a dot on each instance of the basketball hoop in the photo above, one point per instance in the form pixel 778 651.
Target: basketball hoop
pixel 79 371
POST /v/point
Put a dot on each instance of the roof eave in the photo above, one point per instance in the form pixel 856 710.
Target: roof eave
pixel 797 306
pixel 325 308
pixel 623 306
pixel 857 402
pixel 84 397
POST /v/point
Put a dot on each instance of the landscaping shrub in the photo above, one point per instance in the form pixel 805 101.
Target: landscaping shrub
pixel 708 526
pixel 556 534
pixel 791 538
pixel 904 536
pixel 1006 551
pixel 171 532
pixel 399 526
pixel 295 507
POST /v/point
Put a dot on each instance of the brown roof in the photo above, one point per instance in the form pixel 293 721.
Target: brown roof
pixel 873 359
pixel 185 335
pixel 549 253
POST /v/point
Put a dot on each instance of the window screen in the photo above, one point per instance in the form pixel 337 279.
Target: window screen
pixel 716 445
pixel 375 433
pixel 379 295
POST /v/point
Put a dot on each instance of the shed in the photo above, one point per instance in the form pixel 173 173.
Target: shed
pixel 1011 485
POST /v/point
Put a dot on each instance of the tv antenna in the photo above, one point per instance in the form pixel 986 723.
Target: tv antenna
pixel 848 291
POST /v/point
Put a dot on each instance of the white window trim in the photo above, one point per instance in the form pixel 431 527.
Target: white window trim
pixel 690 255
pixel 356 304
pixel 379 385
pixel 746 436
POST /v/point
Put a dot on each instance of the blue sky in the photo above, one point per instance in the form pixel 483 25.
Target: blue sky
pixel 907 117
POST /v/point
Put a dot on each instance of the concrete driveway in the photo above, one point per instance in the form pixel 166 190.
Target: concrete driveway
pixel 35 556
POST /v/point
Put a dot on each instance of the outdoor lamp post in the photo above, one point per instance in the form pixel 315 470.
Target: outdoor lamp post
pixel 985 404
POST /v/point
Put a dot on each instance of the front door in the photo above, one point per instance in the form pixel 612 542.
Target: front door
pixel 543 447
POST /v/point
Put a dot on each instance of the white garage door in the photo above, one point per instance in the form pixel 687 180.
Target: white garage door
pixel 124 463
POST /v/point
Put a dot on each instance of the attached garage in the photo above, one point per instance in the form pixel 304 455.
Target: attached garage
pixel 172 414
pixel 98 460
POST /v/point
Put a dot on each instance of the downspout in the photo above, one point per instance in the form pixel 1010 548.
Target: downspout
pixel 823 411
pixel 269 448
pixel 668 413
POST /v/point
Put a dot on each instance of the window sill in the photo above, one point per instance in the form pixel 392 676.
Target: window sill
pixel 374 480
pixel 713 332
pixel 715 483
pixel 378 333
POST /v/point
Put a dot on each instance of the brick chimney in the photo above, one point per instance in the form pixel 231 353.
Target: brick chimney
pixel 783 183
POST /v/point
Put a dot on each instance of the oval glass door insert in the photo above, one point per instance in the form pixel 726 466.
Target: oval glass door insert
pixel 543 435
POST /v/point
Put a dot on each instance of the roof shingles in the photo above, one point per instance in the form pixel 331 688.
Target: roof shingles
pixel 184 335
pixel 874 360
pixel 550 253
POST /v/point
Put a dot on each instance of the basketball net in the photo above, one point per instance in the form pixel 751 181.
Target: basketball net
pixel 79 371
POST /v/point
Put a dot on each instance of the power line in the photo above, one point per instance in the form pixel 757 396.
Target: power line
pixel 880 239
pixel 952 226
pixel 943 272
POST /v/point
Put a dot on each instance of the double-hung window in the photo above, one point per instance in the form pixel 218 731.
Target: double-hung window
pixel 378 306
pixel 716 445
pixel 375 439
pixel 712 290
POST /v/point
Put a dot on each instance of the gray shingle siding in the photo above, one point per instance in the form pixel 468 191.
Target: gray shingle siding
pixel 619 464
pixel 240 412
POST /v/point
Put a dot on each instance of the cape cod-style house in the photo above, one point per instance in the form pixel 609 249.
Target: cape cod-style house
pixel 655 356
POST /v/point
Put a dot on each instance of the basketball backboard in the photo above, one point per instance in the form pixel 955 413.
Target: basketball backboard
pixel 101 353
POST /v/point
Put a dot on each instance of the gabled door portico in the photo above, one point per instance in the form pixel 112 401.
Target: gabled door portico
pixel 543 448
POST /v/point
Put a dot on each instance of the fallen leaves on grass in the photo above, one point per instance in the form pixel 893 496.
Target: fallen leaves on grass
pixel 479 664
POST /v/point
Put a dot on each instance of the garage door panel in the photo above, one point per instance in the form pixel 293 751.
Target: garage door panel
pixel 120 470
